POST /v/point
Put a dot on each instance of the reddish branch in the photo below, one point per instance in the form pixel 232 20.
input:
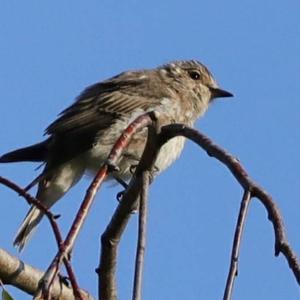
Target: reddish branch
pixel 32 200
pixel 281 243
pixel 53 223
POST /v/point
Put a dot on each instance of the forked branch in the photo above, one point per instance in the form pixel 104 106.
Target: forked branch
pixel 136 194
pixel 237 170
pixel 108 166
pixel 111 237
pixel 52 219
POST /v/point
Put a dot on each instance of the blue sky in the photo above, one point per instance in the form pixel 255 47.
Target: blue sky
pixel 51 50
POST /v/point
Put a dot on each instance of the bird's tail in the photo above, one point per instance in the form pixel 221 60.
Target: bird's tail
pixel 55 183
pixel 37 152
pixel 27 227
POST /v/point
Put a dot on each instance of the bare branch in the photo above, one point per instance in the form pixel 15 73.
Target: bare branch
pixel 15 272
pixel 53 223
pixel 233 270
pixel 140 254
pixel 32 200
pixel 137 191
pixel 111 237
pixel 281 243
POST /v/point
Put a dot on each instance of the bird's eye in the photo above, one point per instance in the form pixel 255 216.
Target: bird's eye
pixel 195 75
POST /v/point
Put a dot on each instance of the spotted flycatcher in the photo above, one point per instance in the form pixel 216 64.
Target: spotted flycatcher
pixel 84 133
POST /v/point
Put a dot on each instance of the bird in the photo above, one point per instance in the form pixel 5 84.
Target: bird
pixel 80 139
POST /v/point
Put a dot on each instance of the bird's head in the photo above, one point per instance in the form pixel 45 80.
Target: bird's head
pixel 193 81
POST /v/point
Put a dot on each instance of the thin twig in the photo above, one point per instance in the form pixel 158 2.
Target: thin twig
pixel 141 246
pixel 233 270
pixel 34 201
pixel 66 246
pixel 53 223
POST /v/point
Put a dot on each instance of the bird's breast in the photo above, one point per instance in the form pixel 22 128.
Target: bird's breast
pixel 169 152
pixel 169 112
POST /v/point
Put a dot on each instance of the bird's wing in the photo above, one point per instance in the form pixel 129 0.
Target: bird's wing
pixel 102 103
pixel 97 108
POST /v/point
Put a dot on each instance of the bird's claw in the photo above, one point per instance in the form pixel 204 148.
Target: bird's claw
pixel 112 167
pixel 120 196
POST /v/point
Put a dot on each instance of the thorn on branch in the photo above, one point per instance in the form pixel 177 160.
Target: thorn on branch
pixel 277 248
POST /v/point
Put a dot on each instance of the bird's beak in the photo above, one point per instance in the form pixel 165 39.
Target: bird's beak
pixel 219 93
